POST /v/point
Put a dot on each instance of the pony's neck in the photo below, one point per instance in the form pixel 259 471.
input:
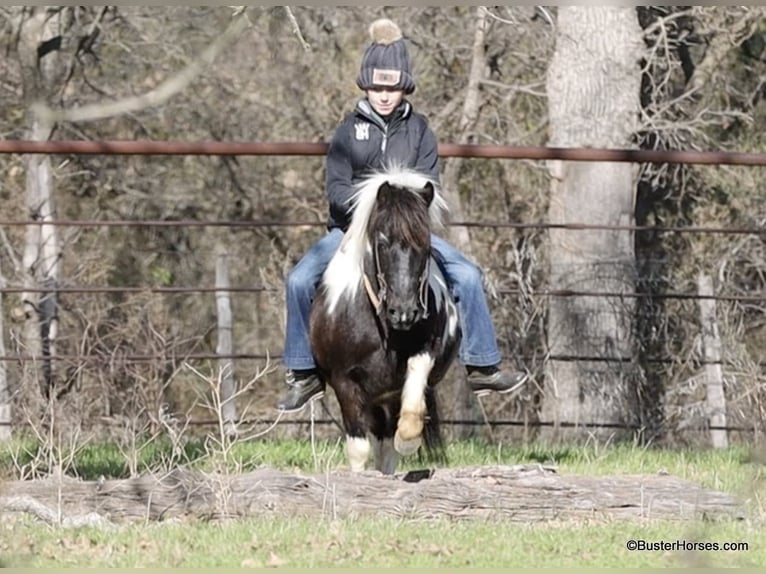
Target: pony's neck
pixel 344 275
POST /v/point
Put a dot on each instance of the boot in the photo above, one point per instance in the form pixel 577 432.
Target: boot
pixel 302 387
pixel 484 380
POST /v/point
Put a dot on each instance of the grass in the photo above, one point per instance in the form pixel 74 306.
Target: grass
pixel 308 542
pixel 303 542
pixel 714 468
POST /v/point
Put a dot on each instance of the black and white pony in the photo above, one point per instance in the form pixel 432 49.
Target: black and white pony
pixel 384 328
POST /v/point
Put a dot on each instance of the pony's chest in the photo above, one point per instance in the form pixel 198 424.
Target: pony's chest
pixel 350 328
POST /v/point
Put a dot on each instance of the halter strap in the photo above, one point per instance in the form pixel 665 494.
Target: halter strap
pixel 374 299
pixel 377 299
pixel 423 290
pixel 377 302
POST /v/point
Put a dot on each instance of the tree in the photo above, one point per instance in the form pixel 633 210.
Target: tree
pixel 41 69
pixel 593 87
pixel 462 399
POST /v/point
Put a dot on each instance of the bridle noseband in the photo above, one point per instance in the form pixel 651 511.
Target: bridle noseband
pixel 378 299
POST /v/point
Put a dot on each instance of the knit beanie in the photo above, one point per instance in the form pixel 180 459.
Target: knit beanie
pixel 386 62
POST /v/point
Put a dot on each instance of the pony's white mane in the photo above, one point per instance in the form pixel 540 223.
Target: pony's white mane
pixel 343 276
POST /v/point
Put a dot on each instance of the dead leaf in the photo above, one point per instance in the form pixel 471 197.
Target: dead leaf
pixel 275 561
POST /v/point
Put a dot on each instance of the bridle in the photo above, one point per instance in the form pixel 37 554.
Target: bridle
pixel 378 299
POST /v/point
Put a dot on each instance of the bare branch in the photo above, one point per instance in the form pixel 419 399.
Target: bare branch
pixel 9 250
pixel 297 29
pixel 722 43
pixel 661 23
pixel 530 89
pixel 157 96
pixel 95 25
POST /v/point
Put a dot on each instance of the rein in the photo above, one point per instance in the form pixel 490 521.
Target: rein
pixel 378 299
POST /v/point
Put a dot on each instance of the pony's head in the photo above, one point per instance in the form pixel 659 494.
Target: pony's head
pixel 400 239
pixel 388 245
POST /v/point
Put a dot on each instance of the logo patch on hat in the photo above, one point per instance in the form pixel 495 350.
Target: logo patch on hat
pixel 386 77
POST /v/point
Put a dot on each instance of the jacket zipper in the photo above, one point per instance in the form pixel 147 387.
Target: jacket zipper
pixel 385 139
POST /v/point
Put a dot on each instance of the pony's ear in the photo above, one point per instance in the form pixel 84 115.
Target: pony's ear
pixel 384 188
pixel 427 193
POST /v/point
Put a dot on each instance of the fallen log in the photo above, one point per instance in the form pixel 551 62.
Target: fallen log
pixel 522 493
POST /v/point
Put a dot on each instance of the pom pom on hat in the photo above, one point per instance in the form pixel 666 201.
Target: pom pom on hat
pixel 384 31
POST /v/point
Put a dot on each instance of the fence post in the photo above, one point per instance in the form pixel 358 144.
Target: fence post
pixel 224 346
pixel 5 395
pixel 711 346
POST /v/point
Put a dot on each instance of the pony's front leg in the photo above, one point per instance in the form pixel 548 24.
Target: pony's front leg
pixel 355 422
pixel 412 413
pixel 357 452
pixel 386 457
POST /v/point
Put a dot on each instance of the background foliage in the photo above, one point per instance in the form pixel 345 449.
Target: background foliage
pixel 703 89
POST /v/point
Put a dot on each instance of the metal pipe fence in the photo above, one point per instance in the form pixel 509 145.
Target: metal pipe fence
pixel 473 151
pixel 477 151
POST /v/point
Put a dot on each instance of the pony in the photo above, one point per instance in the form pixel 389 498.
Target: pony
pixel 383 326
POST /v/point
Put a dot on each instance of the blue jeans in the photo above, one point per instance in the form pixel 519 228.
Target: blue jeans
pixel 478 346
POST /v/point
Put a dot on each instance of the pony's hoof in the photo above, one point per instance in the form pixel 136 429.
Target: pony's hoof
pixel 406 447
pixel 410 425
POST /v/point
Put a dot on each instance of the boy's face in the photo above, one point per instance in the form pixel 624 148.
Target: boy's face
pixel 384 100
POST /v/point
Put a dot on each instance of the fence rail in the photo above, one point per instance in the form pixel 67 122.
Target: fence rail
pixel 474 151
pixel 447 422
pixel 478 151
pixel 483 224
pixel 506 292
pixel 180 356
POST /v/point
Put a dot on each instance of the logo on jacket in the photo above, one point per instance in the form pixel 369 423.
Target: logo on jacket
pixel 362 131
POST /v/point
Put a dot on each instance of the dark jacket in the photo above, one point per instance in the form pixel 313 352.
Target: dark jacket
pixel 365 142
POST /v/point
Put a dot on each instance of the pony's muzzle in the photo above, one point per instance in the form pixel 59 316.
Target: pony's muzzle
pixel 403 316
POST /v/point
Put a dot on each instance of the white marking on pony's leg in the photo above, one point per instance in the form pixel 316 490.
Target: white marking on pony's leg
pixel 387 457
pixel 408 430
pixel 357 451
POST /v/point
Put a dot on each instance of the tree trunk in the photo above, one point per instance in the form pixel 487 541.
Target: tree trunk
pixel 468 120
pixel 41 260
pixel 458 395
pixel 593 93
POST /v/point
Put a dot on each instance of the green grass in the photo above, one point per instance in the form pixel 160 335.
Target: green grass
pixel 729 469
pixel 310 542
pixel 303 542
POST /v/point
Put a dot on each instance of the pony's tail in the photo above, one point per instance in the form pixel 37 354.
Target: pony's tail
pixel 433 451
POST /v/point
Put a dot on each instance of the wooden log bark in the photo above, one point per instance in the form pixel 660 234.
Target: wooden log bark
pixel 522 493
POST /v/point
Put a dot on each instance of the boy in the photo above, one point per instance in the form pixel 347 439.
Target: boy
pixel 384 128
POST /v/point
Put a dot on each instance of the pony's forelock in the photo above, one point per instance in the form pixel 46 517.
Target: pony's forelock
pixel 343 275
